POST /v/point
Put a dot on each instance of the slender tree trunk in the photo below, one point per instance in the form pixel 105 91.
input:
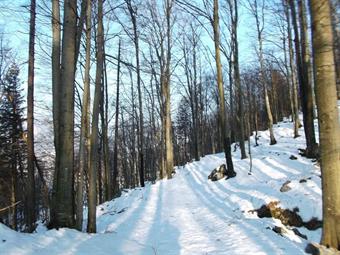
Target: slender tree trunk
pixel 222 113
pixel 238 84
pixel 168 125
pixel 328 113
pixel 83 150
pixel 115 147
pixel 30 127
pixel 307 78
pixel 106 150
pixel 82 19
pixel 305 91
pixel 92 196
pixel 13 200
pixel 133 14
pixel 262 71
pixel 64 204
pixel 293 75
pixel 56 51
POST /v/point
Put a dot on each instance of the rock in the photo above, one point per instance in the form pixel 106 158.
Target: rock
pixel 292 157
pixel 285 187
pixel 302 181
pixel 286 216
pixel 318 249
pixel 218 173
pixel 313 224
pixel 279 230
pixel 298 233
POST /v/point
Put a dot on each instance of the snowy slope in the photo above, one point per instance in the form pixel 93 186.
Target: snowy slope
pixel 192 215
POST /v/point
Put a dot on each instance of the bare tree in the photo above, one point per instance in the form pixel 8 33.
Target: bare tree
pixel 92 195
pixel 30 126
pixel 64 195
pixel 133 16
pixel 258 12
pixel 222 113
pixel 84 129
pixel 306 93
pixel 328 113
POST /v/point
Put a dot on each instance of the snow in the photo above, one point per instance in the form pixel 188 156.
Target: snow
pixel 190 214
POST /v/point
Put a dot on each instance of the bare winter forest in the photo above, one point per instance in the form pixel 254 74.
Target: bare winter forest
pixel 169 127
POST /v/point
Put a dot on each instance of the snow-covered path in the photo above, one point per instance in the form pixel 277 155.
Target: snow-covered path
pixel 189 214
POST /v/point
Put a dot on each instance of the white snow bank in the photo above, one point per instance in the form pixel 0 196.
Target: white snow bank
pixel 192 215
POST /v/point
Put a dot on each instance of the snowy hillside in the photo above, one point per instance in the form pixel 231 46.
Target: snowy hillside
pixel 193 215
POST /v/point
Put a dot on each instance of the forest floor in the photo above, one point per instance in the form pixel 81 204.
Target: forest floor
pixel 190 214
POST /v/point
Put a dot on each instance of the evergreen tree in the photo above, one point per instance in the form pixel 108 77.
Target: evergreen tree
pixel 11 139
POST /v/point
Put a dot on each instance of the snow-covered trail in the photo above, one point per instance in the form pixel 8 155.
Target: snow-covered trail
pixel 189 214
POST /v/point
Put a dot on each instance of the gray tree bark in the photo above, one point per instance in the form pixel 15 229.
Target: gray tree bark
pixel 64 202
pixel 31 217
pixel 328 114
pixel 92 194
pixel 84 130
pixel 222 113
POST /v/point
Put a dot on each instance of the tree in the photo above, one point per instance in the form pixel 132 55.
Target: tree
pixel 259 19
pixel 92 195
pixel 85 117
pixel 328 114
pixel 292 72
pixel 63 205
pixel 56 51
pixel 135 38
pixel 237 78
pixel 115 146
pixel 30 126
pixel 306 92
pixel 222 113
pixel 169 155
pixel 11 139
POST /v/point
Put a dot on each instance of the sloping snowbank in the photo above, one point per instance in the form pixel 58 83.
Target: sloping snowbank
pixel 192 215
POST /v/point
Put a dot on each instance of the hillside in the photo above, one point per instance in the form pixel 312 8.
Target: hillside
pixel 190 214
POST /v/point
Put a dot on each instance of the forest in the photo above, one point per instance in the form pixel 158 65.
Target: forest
pixel 122 116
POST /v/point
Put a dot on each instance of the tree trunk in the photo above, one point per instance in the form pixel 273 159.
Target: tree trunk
pixel 222 113
pixel 168 125
pixel 106 150
pixel 31 217
pixel 262 71
pixel 329 128
pixel 133 14
pixel 238 83
pixel 84 130
pixel 64 203
pixel 305 87
pixel 92 196
pixel 115 147
pixel 56 30
pixel 293 75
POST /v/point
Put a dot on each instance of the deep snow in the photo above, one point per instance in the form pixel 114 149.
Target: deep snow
pixel 189 214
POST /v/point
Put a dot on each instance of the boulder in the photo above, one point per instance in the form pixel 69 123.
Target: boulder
pixel 218 173
pixel 318 249
pixel 285 187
